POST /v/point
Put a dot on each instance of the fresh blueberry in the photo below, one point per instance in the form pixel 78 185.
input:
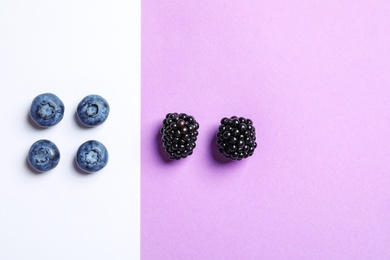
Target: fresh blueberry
pixel 93 110
pixel 47 110
pixel 43 155
pixel 92 156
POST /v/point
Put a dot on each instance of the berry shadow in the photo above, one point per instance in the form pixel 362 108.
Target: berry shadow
pixel 33 124
pixel 31 169
pixel 79 170
pixel 161 150
pixel 78 122
pixel 215 153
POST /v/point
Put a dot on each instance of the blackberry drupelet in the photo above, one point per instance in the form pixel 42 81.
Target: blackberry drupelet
pixel 179 134
pixel 236 138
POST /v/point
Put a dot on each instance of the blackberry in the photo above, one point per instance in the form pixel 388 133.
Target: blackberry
pixel 236 138
pixel 179 134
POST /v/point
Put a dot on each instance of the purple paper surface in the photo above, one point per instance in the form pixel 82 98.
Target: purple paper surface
pixel 314 76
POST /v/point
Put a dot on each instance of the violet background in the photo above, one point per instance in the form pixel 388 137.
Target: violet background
pixel 314 77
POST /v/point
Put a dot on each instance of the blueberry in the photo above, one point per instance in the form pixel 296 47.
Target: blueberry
pixel 93 110
pixel 43 155
pixel 47 110
pixel 92 156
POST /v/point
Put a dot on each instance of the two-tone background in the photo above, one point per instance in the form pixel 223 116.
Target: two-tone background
pixel 313 77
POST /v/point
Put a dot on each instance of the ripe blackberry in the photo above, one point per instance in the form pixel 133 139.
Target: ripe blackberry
pixel 179 134
pixel 236 138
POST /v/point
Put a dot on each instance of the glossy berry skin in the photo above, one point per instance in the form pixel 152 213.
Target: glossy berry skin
pixel 236 138
pixel 43 155
pixel 93 110
pixel 92 156
pixel 47 110
pixel 179 133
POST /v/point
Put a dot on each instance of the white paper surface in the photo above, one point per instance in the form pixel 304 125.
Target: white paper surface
pixel 72 49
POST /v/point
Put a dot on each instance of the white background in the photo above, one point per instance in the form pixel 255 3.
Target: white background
pixel 72 49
